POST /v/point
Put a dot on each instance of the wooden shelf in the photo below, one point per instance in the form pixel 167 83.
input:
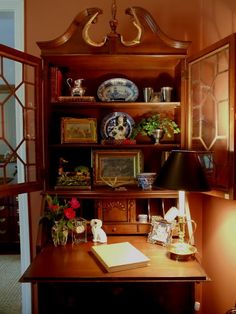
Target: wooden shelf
pixel 118 105
pixel 109 193
pixel 161 147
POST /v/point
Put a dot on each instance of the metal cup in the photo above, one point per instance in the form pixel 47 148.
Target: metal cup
pixel 166 93
pixel 147 93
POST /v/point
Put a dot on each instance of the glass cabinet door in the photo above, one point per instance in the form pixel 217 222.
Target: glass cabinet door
pixel 20 121
pixel 211 119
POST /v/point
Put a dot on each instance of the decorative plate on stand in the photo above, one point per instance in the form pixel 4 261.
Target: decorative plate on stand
pixel 117 126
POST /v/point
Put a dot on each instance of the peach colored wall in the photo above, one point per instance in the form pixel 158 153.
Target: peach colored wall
pixel 219 251
pixel 218 20
pixel 35 205
pixel 203 22
pixel 195 205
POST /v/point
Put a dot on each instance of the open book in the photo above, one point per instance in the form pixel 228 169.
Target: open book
pixel 119 256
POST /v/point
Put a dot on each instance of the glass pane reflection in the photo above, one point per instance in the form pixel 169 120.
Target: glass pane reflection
pixel 17 122
pixel 209 102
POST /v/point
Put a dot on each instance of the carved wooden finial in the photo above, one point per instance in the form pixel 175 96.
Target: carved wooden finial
pixel 114 22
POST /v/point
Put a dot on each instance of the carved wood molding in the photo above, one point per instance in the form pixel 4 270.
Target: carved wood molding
pixel 126 207
pixel 109 205
pixel 149 38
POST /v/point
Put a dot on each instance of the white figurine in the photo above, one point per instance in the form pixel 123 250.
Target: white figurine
pixel 99 234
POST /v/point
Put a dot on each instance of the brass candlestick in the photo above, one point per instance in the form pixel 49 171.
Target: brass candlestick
pixel 181 228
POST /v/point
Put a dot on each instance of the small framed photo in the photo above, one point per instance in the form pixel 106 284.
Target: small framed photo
pixel 207 161
pixel 75 130
pixel 119 165
pixel 160 233
pixel 208 164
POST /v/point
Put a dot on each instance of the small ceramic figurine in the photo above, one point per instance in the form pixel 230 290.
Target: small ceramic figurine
pixel 99 234
pixel 119 131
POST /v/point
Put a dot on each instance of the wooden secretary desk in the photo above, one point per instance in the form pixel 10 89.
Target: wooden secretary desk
pixel 68 278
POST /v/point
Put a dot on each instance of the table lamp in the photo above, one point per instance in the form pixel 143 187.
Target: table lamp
pixel 182 171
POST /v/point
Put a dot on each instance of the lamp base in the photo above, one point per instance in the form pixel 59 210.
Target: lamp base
pixel 181 251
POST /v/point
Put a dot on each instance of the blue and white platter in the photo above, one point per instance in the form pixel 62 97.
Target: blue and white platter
pixel 117 89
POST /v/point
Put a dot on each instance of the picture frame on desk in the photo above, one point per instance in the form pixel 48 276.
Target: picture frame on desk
pixel 119 166
pixel 74 130
pixel 160 233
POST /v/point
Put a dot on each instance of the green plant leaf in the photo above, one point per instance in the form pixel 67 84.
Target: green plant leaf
pixel 146 126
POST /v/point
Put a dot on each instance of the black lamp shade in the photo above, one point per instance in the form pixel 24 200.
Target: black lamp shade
pixel 182 171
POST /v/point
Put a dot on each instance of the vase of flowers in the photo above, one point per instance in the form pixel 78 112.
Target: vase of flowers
pixel 59 233
pixel 61 218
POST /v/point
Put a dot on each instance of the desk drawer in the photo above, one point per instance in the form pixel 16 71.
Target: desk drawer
pixel 143 228
pixel 120 228
pixel 129 228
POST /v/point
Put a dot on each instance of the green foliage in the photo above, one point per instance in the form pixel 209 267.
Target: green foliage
pixel 147 126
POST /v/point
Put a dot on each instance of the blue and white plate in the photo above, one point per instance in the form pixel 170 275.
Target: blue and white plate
pixel 117 126
pixel 118 89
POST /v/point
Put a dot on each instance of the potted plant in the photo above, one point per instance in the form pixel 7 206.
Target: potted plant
pixel 155 126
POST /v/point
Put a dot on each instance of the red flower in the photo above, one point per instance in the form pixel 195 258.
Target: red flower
pixel 64 213
pixel 54 207
pixel 69 213
pixel 74 203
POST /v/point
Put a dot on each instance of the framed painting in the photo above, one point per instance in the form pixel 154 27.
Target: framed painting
pixel 119 166
pixel 75 130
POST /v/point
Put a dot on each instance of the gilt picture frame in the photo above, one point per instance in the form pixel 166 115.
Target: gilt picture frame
pixel 75 130
pixel 120 166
